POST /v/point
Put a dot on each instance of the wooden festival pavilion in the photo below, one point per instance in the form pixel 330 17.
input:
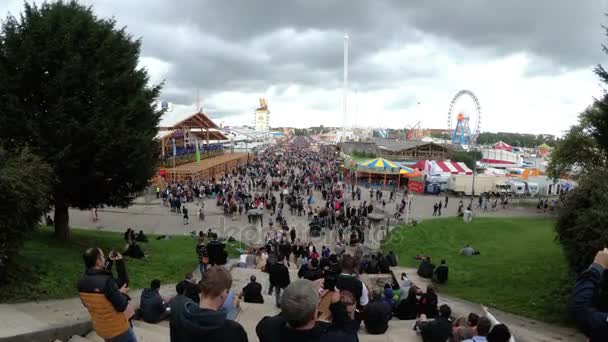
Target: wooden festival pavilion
pixel 196 130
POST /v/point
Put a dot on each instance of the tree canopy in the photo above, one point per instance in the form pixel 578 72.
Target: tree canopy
pixel 516 139
pixel 580 151
pixel 73 93
pixel 583 152
pixel 581 223
pixel 468 157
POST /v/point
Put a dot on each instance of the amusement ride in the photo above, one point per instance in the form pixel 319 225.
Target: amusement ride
pixel 465 128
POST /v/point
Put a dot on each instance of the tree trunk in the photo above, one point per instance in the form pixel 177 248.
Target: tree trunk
pixel 62 219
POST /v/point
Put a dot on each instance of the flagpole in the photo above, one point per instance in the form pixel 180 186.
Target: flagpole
pixel 174 171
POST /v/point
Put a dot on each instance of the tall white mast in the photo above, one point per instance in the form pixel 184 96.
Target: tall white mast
pixel 345 90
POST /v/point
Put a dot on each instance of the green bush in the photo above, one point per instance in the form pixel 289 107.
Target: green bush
pixel 24 187
pixel 581 223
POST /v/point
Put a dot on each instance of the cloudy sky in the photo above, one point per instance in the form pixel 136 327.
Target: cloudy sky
pixel 530 63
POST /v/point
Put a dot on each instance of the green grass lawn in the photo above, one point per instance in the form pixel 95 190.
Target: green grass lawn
pixel 520 270
pixel 49 269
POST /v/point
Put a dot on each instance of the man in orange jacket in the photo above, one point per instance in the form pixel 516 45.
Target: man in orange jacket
pixel 107 304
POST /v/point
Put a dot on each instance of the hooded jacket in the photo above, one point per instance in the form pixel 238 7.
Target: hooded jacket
pixel 152 306
pixel 276 329
pixel 193 323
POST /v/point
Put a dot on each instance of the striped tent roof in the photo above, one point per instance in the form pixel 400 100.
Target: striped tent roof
pixel 404 170
pixel 381 165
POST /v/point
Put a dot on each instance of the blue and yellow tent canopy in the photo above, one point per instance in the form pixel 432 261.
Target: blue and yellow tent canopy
pixel 381 165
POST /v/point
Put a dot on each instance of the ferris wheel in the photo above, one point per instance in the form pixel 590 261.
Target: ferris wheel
pixel 465 127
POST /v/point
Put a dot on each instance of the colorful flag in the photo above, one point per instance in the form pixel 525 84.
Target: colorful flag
pixel 174 148
pixel 198 153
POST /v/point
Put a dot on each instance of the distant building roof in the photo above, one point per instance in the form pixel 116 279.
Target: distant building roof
pixel 400 145
pixel 197 123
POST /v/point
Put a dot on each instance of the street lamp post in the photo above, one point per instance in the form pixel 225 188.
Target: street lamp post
pixel 408 206
pixel 473 183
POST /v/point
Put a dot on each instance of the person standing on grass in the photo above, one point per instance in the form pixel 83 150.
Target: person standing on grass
pixel 107 304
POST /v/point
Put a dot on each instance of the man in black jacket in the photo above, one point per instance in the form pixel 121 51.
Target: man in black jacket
pixel 441 273
pixel 191 288
pixel 437 330
pixel 426 268
pixel 177 305
pixel 203 321
pixel 107 304
pixel 279 278
pixel 377 314
pixel 590 319
pixel 313 273
pixel 252 292
pixel 152 305
pixel 297 320
pixel 349 282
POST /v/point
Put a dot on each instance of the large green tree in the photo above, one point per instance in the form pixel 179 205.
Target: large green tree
pixel 581 149
pixel 516 139
pixel 25 182
pixel 71 90
pixel 470 158
pixel 582 222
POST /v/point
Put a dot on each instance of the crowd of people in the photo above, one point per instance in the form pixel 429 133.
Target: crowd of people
pixel 328 301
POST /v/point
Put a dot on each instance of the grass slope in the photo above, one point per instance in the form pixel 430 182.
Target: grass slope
pixel 520 270
pixel 49 269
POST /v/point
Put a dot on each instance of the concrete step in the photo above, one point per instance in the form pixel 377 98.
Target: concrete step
pixel 77 338
pixel 93 337
pixel 156 328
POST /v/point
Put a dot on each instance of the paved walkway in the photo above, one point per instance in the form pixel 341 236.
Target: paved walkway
pixel 156 219
pixel 31 317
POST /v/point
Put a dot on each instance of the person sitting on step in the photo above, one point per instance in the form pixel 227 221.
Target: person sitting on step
pixel 252 292
pixel 152 306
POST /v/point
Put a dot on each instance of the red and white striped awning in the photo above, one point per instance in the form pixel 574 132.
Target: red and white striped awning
pixel 455 168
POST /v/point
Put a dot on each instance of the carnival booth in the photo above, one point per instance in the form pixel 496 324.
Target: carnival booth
pixel 380 172
pixel 501 145
pixel 436 173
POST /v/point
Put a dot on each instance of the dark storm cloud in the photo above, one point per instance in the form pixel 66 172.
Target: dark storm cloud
pixel 402 102
pixel 242 45
pixel 569 33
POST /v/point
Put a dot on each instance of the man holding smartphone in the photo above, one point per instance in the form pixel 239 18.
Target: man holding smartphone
pixel 107 304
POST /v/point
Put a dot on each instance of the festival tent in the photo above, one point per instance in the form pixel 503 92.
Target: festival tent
pixel 438 172
pixel 501 145
pixel 454 168
pixel 384 167
pixel 442 168
pixel 381 164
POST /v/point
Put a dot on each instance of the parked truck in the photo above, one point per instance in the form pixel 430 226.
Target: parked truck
pixel 517 187
pixel 463 184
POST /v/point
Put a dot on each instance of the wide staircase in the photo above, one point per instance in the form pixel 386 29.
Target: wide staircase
pixel 250 314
